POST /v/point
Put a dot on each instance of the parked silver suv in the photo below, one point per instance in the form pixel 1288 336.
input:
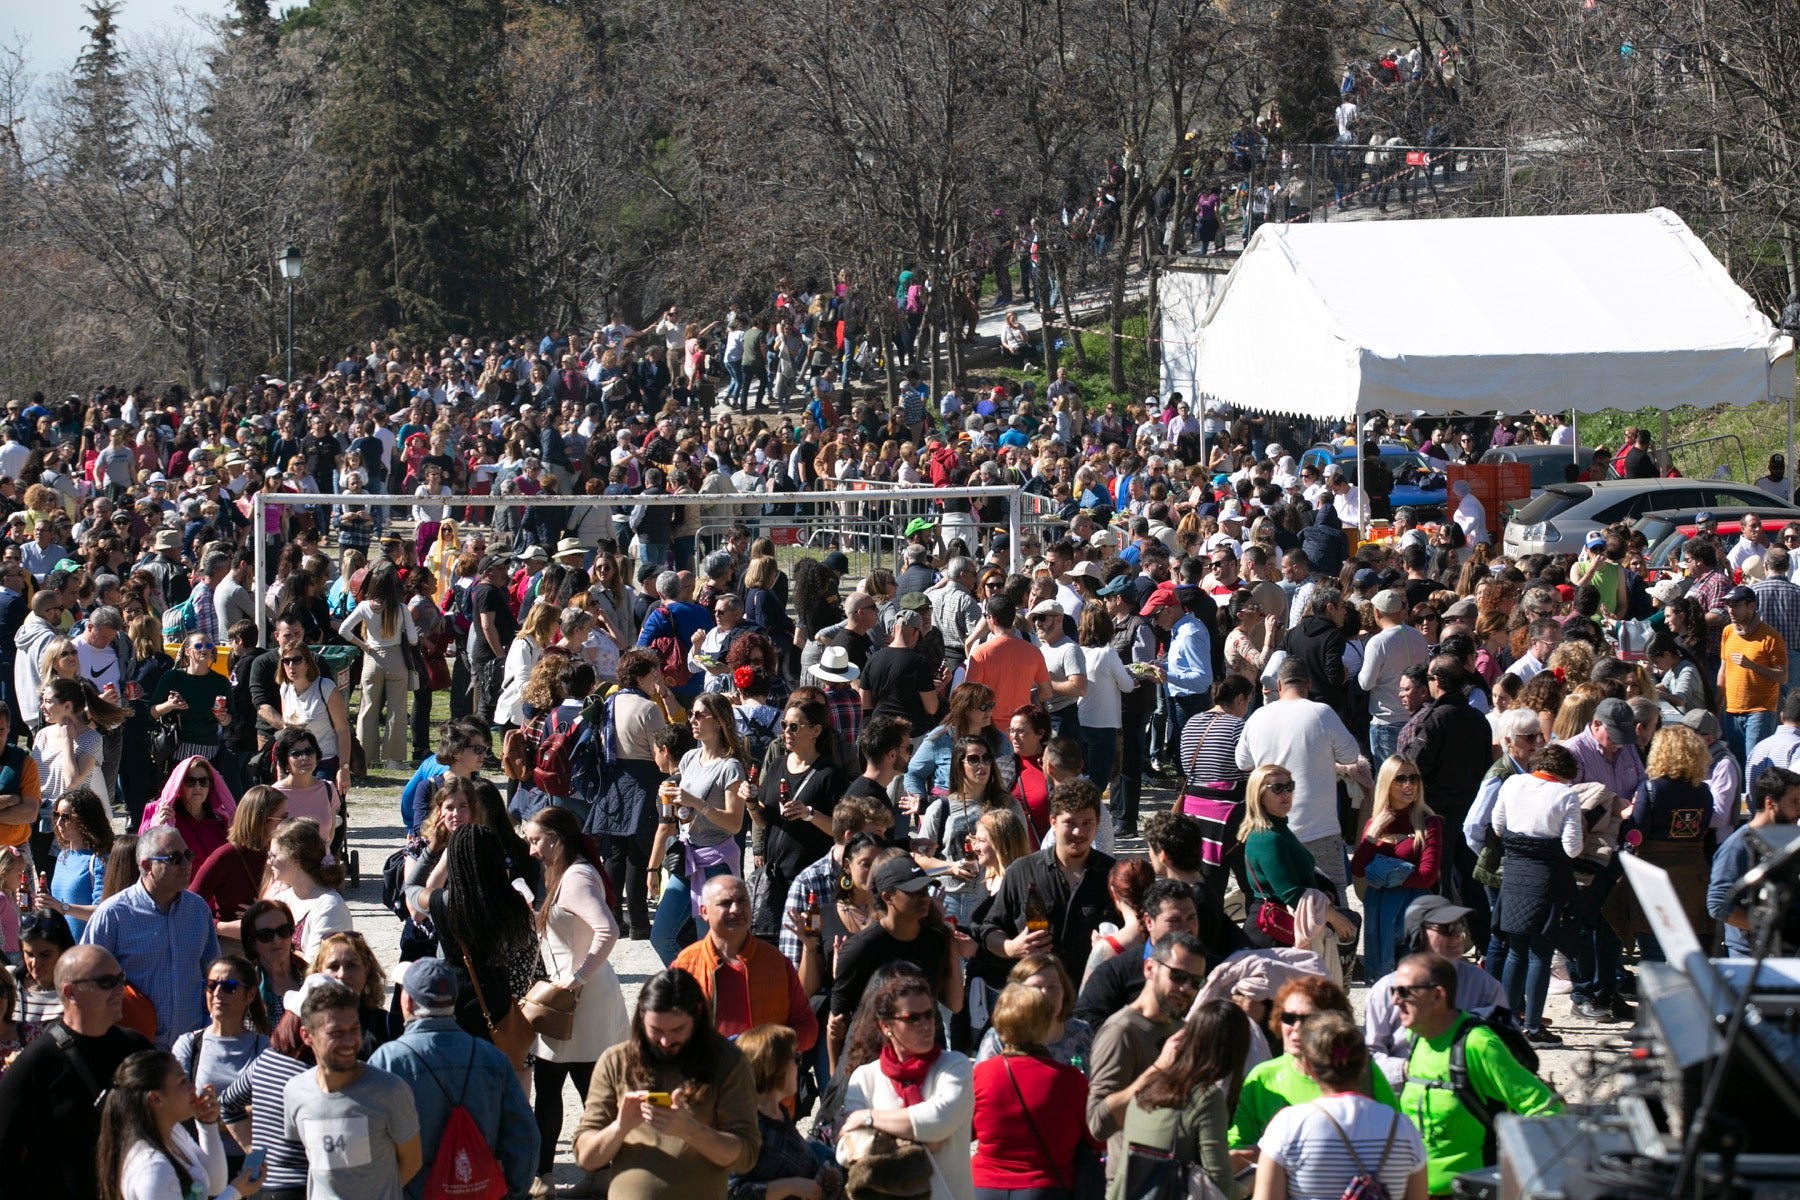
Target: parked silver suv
pixel 1558 519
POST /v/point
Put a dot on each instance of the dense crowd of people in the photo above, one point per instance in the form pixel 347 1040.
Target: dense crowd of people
pixel 873 825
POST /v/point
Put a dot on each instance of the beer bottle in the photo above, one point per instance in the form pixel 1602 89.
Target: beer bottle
pixel 811 916
pixel 1037 917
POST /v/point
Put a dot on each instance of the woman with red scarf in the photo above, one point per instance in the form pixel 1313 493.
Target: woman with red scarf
pixel 911 1087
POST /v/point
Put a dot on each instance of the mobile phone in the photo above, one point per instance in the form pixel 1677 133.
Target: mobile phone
pixel 253 1163
pixel 660 1099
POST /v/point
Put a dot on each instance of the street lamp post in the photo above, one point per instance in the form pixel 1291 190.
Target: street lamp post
pixel 290 271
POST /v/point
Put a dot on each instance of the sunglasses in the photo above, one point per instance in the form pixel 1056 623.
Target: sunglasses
pixel 290 661
pixel 302 752
pixel 62 815
pixel 174 859
pixel 275 933
pixel 978 760
pixel 106 983
pixel 1280 789
pixel 1453 929
pixel 197 781
pixel 1293 1018
pixel 1402 991
pixel 230 987
pixel 913 1018
pixel 1408 779
pixel 790 726
pixel 1177 976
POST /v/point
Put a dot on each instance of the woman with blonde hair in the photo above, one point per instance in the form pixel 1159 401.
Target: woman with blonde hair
pixel 1574 660
pixel 1281 870
pixel 536 632
pixel 1068 1038
pixel 1674 816
pixel 1398 858
pixel 230 879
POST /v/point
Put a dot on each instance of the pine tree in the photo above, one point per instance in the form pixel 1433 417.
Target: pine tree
pixel 415 132
pixel 104 124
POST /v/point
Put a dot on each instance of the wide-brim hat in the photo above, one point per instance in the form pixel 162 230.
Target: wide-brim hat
pixel 835 666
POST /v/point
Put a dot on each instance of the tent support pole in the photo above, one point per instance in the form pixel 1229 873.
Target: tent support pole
pixel 1362 498
pixel 1575 442
pixel 1788 476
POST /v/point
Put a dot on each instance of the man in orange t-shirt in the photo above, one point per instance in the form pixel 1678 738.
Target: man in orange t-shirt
pixel 1752 668
pixel 1011 667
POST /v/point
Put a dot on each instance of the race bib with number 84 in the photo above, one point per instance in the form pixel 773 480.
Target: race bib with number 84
pixel 338 1142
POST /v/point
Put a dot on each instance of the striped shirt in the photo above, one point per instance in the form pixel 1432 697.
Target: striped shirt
pixel 1319 1165
pixel 257 1093
pixel 1214 736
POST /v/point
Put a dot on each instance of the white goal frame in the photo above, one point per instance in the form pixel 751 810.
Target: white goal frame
pixel 731 502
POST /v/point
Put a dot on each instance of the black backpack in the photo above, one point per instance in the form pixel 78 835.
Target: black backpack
pixel 1484 1108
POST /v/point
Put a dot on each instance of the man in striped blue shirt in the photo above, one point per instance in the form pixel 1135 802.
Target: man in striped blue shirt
pixel 161 933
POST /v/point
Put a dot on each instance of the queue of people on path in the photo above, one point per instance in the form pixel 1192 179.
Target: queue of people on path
pixel 872 825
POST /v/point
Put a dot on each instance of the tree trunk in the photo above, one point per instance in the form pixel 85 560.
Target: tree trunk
pixel 1115 327
pixel 1075 346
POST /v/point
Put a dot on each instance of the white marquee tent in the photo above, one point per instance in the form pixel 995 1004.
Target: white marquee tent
pixel 1477 315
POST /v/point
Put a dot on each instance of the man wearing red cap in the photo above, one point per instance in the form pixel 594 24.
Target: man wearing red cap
pixel 1189 671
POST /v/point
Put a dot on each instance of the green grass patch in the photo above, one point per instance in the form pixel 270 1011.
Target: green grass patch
pixel 1095 383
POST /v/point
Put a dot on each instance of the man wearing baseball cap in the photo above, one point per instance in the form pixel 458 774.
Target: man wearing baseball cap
pixel 1432 925
pixel 1189 672
pixel 446 1067
pixel 1752 669
pixel 903 899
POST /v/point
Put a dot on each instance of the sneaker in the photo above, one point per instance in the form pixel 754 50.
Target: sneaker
pixel 1628 985
pixel 1595 1011
pixel 1623 1009
pixel 1542 1037
pixel 1559 977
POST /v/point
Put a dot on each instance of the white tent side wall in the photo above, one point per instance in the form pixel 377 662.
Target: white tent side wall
pixel 1183 295
pixel 1270 344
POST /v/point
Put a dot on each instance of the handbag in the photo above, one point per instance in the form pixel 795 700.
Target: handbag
pixel 1153 1174
pixel 549 1008
pixel 1273 918
pixel 513 1034
pixel 165 741
pixel 1090 1175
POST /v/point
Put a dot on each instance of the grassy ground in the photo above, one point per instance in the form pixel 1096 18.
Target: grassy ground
pixel 1095 383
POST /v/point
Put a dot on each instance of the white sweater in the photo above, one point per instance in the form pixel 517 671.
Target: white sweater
pixel 943 1121
pixel 1540 808
pixel 1107 681
pixel 147 1174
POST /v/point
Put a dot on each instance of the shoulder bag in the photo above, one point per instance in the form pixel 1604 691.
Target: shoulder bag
pixel 1152 1173
pixel 512 1033
pixel 1273 918
pixel 1089 1176
pixel 549 1007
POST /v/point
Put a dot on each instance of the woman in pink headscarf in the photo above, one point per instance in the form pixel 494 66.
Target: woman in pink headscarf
pixel 197 803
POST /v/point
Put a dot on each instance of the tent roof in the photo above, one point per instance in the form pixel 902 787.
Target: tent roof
pixel 1627 311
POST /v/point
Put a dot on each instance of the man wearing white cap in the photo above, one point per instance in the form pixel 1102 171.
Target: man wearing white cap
pixel 1065 663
